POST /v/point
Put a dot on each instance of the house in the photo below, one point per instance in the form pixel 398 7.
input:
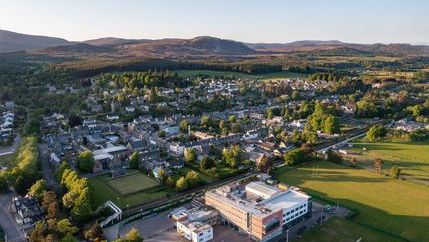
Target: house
pixel 112 117
pixel 26 210
pixel 137 145
pixel 130 109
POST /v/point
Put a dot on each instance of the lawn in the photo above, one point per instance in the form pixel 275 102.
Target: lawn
pixel 397 207
pixel 132 183
pixel 8 160
pixel 275 75
pixel 412 157
pixel 103 192
pixel 345 231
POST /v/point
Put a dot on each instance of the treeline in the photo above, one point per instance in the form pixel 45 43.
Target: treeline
pixel 82 69
pixel 78 196
pixel 26 170
pixel 139 80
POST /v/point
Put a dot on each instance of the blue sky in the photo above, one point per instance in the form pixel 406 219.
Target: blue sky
pixel 363 21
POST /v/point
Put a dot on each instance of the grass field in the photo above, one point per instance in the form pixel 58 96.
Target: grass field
pixel 132 183
pixel 397 207
pixel 344 230
pixel 412 157
pixel 8 160
pixel 276 75
pixel 102 192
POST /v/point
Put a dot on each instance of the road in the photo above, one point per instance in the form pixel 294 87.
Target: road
pixel 10 149
pixel 13 231
pixel 47 171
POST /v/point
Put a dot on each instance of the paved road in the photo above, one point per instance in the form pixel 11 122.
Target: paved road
pixel 10 149
pixel 13 230
pixel 47 171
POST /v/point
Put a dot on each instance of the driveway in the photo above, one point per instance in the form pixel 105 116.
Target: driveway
pixel 13 231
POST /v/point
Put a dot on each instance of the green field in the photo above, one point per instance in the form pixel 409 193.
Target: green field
pixel 132 183
pixel 8 160
pixel 412 157
pixel 397 207
pixel 276 75
pixel 344 230
pixel 102 192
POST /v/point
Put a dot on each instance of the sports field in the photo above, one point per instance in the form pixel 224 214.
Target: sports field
pixel 412 157
pixel 102 192
pixel 132 183
pixel 344 230
pixel 397 207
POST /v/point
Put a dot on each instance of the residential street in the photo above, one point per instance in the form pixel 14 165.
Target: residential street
pixel 47 171
pixel 13 230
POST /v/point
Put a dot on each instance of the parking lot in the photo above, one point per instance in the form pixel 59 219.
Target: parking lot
pixel 160 228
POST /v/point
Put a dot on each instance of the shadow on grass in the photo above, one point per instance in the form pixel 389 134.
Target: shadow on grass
pixel 404 227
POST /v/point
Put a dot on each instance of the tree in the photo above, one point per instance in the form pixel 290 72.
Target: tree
pixel 222 124
pixel 53 211
pixel 3 184
pixel 64 165
pixel 331 125
pixel 232 156
pixel 49 197
pixel 170 182
pixel 207 163
pixel 232 119
pixel 94 233
pixel 395 171
pixel 333 157
pixel 162 175
pixel 376 132
pixel 134 160
pixel 378 165
pixel 205 121
pixel 82 208
pixel 235 127
pixel 37 189
pixel 20 186
pixel 132 236
pixel 74 120
pixel 193 179
pixel 294 157
pixel 85 161
pixel 182 184
pixel 264 164
pixel 69 238
pixel 66 228
pixel 190 155
pixel 184 126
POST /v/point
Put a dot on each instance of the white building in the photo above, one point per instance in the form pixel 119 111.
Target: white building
pixel 195 231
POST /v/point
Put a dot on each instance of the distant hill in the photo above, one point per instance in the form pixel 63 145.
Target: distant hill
pixel 12 42
pixel 78 48
pixel 112 41
pixel 199 46
pixel 301 43
pixel 203 45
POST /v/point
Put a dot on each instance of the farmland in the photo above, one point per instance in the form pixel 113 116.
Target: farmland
pixel 379 200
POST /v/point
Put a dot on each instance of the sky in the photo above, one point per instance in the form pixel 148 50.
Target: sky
pixel 271 21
